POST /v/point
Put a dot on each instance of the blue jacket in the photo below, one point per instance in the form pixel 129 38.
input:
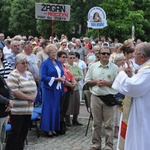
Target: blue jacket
pixel 47 71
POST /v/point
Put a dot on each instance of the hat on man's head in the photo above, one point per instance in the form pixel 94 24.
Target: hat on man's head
pixel 93 43
pixel 105 44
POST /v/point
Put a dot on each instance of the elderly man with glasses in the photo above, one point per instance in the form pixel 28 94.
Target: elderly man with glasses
pixel 99 78
pixel 33 62
pixel 15 49
pixel 136 87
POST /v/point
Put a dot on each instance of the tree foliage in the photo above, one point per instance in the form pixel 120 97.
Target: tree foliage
pixel 120 19
pixel 5 13
pixel 143 5
pixel 18 17
pixel 22 17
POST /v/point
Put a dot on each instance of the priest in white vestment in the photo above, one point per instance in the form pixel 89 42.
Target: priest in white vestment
pixel 138 87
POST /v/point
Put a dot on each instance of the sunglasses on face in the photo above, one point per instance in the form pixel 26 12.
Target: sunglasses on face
pixel 71 57
pixel 64 45
pixel 130 52
pixel 63 57
pixel 104 53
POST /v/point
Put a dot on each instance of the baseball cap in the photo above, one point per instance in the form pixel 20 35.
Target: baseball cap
pixel 93 43
pixel 105 44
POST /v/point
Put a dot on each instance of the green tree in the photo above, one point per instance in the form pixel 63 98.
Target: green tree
pixel 22 18
pixel 120 19
pixel 5 13
pixel 18 17
pixel 143 5
pixel 44 27
pixel 78 21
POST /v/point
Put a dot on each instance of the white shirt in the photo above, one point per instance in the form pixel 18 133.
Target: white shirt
pixel 7 52
pixel 138 87
pixel 33 65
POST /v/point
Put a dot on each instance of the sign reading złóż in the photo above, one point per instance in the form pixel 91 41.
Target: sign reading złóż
pixel 52 11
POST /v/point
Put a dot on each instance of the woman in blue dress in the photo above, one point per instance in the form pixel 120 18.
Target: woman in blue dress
pixel 52 77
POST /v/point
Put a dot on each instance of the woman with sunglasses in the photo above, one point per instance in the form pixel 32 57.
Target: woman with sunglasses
pixel 83 68
pixel 69 86
pixel 128 53
pixel 63 45
pixel 23 86
pixel 74 99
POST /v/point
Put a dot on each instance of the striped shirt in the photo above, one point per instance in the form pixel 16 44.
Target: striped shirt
pixel 5 69
pixel 27 86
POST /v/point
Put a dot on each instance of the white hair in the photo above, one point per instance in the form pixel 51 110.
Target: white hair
pixel 118 57
pixel 20 57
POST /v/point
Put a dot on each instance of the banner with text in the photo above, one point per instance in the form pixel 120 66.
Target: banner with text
pixel 96 18
pixel 52 11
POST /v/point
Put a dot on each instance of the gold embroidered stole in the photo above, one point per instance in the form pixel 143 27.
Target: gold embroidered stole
pixel 126 109
pixel 146 66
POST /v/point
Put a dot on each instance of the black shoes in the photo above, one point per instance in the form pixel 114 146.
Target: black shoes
pixel 50 135
pixel 76 123
pixel 55 134
pixel 68 124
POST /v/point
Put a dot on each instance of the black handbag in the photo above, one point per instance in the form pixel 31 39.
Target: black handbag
pixel 4 90
pixel 62 128
pixel 119 98
pixel 108 99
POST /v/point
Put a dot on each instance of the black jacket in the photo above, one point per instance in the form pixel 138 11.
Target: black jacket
pixel 5 96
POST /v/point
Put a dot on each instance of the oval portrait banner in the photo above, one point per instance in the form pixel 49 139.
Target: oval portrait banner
pixel 96 18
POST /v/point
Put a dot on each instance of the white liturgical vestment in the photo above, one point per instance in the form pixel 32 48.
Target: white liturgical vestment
pixel 138 87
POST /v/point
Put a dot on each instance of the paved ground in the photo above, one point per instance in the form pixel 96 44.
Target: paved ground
pixel 74 139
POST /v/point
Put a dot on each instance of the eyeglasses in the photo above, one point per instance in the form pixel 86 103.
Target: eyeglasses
pixel 130 52
pixel 104 53
pixel 71 57
pixel 25 63
pixel 63 57
pixel 141 54
pixel 64 45
pixel 120 60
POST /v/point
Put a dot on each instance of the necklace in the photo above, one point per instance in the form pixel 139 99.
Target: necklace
pixel 54 62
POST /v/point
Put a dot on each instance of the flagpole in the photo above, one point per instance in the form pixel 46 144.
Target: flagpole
pixel 52 32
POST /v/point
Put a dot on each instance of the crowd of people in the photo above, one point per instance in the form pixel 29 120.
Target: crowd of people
pixel 60 68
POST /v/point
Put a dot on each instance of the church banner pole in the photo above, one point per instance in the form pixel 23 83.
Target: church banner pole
pixel 52 32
